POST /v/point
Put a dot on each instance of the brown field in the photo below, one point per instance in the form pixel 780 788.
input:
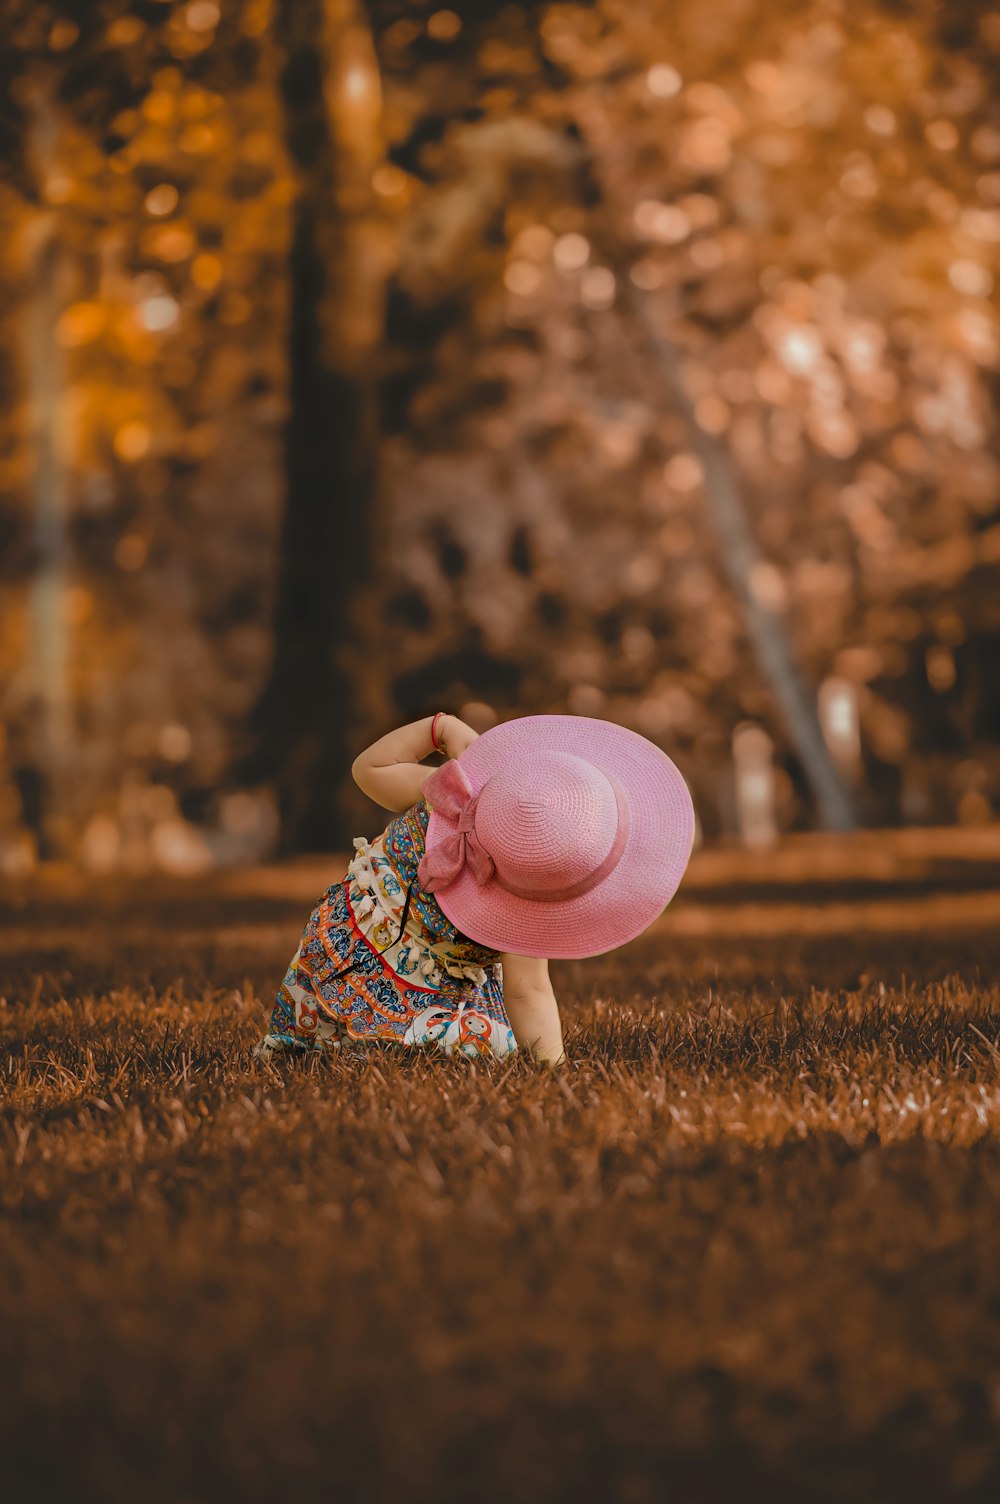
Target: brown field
pixel 744 1247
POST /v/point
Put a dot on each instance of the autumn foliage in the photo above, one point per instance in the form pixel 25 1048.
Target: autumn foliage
pixel 361 358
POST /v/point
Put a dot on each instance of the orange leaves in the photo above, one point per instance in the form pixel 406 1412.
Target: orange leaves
pixel 171 243
pixel 704 146
pixel 125 31
pixel 161 200
pixel 201 15
pixel 81 324
pixel 206 271
pixel 132 441
pixel 63 35
pixel 131 551
pixel 160 107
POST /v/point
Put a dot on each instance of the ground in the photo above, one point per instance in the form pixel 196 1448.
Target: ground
pixel 744 1246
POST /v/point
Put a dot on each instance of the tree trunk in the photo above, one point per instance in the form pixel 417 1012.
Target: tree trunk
pixel 49 710
pixel 739 555
pixel 322 692
pixel 738 546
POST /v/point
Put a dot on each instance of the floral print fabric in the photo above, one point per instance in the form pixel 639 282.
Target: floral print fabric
pixel 369 966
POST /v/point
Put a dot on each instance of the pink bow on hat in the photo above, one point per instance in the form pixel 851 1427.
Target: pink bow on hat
pixel 450 794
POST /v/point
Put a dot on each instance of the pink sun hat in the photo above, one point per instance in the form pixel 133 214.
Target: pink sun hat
pixel 556 835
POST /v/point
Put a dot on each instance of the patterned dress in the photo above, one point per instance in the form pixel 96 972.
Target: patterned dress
pixel 379 960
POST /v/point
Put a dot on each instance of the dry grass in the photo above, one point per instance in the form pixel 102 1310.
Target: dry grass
pixel 744 1247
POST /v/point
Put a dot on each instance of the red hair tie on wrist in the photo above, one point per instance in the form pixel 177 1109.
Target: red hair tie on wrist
pixel 434 741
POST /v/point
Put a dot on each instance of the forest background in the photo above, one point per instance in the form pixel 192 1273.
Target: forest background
pixel 629 359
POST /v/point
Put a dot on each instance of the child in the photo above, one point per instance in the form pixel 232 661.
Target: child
pixel 547 836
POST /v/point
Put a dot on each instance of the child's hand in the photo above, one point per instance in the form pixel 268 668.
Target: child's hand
pixel 391 771
pixel 455 736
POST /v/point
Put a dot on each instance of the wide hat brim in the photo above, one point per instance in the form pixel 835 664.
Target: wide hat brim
pixel 634 893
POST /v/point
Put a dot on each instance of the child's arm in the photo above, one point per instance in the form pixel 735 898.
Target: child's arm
pixel 390 771
pixel 532 1008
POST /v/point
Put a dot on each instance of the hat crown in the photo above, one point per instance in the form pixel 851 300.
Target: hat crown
pixel 548 821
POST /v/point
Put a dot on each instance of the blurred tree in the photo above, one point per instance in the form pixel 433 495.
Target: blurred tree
pixel 795 215
pixel 157 172
pixel 321 689
pixel 472 256
pixel 46 689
